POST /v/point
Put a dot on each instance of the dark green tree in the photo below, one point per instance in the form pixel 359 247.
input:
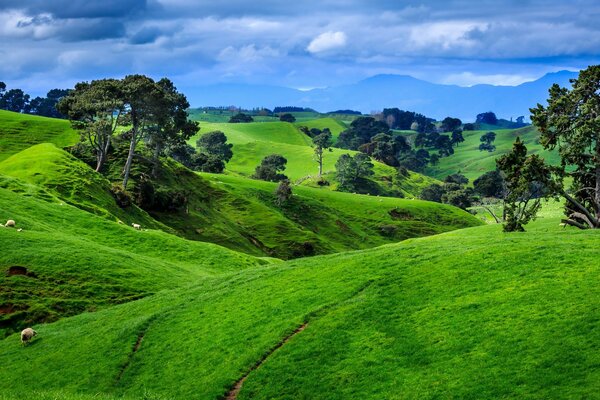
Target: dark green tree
pixel 46 106
pixel 283 193
pixel 459 179
pixel 490 184
pixel 15 100
pixel 240 118
pixel 215 144
pixel 487 140
pixel 269 168
pixel 457 137
pixel 450 124
pixel 321 142
pixel 287 117
pixel 352 171
pixel 95 110
pixel 571 124
pixel 361 130
pixel 528 180
pixel 433 192
pixel 487 118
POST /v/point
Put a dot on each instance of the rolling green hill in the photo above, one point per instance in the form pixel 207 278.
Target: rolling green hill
pixel 500 316
pixel 471 162
pixel 254 141
pixel 335 126
pixel 19 131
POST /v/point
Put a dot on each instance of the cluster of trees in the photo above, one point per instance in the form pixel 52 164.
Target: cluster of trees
pixel 211 154
pixel 154 112
pixel 486 118
pixel 17 100
pixel 487 142
pixel 291 109
pixel 240 118
pixel 352 171
pixel 406 120
pixel 270 168
pixel 453 191
pixel 287 117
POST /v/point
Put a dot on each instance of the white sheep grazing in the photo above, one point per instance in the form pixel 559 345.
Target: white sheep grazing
pixel 137 226
pixel 10 223
pixel 27 334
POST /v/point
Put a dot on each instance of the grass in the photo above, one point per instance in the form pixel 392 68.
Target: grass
pixel 20 131
pixel 335 126
pixel 471 162
pixel 501 315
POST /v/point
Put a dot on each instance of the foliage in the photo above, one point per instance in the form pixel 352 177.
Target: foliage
pixel 570 123
pixel 459 179
pixel 490 184
pixel 486 118
pixel 46 106
pixel 487 140
pixel 457 137
pixel 433 192
pixel 450 124
pixel 287 117
pixel 352 171
pixel 404 120
pixel 322 140
pixel 528 180
pixel 361 131
pixel 283 193
pixel 269 168
pixel 15 100
pixel 240 118
pixel 215 144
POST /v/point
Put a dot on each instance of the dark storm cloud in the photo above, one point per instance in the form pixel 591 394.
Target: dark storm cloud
pixel 64 9
pixel 303 43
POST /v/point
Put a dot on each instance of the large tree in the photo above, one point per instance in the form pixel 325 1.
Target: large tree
pixel 351 171
pixel 571 123
pixel 95 109
pixel 527 180
pixel 46 106
pixel 321 142
pixel 15 100
pixel 142 99
pixel 270 167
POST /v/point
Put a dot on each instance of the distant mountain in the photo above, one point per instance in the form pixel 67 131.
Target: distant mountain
pixel 384 91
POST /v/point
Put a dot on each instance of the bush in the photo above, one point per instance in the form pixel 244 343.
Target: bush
pixel 121 196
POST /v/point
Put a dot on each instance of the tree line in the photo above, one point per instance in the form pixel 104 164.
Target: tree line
pixel 16 100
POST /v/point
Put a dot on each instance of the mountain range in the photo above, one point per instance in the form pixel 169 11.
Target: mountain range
pixel 386 91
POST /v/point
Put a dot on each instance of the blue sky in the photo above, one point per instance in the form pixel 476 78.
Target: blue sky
pixel 303 44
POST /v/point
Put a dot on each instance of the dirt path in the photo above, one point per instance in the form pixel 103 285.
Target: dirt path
pixel 235 390
pixel 136 347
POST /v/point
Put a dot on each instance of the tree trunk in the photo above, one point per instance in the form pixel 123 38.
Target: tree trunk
pixel 129 161
pixel 320 163
pixel 155 161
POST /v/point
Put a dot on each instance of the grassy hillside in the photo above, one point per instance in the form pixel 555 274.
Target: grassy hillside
pixel 335 126
pixel 239 213
pixel 20 131
pixel 254 141
pixel 471 162
pixel 425 318
pixel 77 261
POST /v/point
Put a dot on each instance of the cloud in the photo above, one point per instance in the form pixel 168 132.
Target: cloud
pixel 327 41
pixel 470 79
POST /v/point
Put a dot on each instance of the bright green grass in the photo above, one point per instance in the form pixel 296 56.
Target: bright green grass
pixel 19 131
pixel 276 132
pixel 83 261
pixel 335 126
pixel 471 162
pixel 473 313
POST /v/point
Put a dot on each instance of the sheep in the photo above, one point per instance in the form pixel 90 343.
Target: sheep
pixel 20 230
pixel 10 223
pixel 136 226
pixel 26 335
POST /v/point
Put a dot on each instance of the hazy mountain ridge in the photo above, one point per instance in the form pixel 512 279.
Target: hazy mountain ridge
pixel 381 91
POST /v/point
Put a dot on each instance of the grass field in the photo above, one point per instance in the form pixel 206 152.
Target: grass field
pixel 471 162
pixel 501 315
pixel 19 131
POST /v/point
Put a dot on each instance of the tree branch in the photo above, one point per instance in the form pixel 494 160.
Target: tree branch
pixel 573 223
pixel 580 207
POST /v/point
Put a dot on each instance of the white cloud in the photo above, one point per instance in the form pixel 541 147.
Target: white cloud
pixel 327 41
pixel 470 79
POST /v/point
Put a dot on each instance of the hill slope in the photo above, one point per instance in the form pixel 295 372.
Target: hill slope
pixel 425 318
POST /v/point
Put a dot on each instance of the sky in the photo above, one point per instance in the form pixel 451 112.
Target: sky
pixel 47 44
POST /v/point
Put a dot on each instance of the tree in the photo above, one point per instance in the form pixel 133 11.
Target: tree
pixel 2 88
pixel 459 179
pixel 240 118
pixel 570 123
pixel 283 193
pixel 457 137
pixel 46 106
pixel 434 159
pixel 487 140
pixel 528 180
pixel 469 127
pixel 444 145
pixel 351 171
pixel 95 109
pixel 287 117
pixel 321 142
pixel 433 192
pixel 215 144
pixel 487 118
pixel 269 168
pixel 361 130
pixel 490 184
pixel 172 125
pixel 450 124
pixel 15 100
pixel 142 100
